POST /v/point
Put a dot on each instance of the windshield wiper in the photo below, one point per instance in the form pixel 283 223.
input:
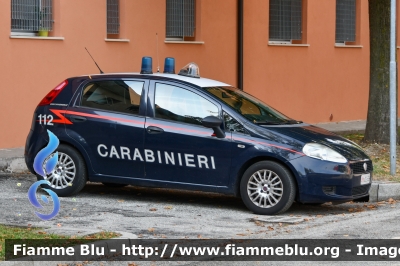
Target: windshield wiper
pixel 268 123
pixel 285 122
pixel 292 121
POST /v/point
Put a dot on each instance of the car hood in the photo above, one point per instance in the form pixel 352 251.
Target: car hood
pixel 307 133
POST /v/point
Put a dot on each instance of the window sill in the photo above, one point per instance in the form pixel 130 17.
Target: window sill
pixel 348 46
pixel 117 40
pixel 184 42
pixel 37 38
pixel 289 44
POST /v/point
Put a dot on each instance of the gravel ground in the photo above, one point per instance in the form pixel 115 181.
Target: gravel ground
pixel 161 213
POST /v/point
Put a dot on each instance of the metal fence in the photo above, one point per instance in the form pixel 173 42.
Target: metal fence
pixel 112 16
pixel 31 15
pixel 345 21
pixel 180 18
pixel 285 20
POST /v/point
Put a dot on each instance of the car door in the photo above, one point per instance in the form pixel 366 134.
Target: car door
pixel 177 147
pixel 108 122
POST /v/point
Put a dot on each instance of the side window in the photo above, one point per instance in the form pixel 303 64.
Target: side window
pixel 232 125
pixel 113 95
pixel 177 104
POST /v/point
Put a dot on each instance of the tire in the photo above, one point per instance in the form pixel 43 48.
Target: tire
pixel 114 184
pixel 256 190
pixel 67 183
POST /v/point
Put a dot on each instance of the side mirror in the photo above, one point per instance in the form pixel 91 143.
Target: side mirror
pixel 214 123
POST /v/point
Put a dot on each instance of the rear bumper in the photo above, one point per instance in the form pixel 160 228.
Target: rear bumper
pixel 34 143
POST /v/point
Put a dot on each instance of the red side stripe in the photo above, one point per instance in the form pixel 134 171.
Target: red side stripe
pixel 269 144
pixel 63 119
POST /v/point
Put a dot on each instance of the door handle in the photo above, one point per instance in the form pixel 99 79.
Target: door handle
pixel 154 130
pixel 78 118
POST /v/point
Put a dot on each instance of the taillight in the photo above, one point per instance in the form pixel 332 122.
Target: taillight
pixel 53 93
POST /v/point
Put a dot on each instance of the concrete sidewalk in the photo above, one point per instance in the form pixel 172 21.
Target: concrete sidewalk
pixel 12 160
pixel 344 127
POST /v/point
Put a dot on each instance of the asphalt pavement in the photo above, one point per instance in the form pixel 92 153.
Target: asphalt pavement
pixel 175 214
pixel 148 213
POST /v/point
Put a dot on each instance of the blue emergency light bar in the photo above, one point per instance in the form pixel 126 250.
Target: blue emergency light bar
pixel 147 65
pixel 169 65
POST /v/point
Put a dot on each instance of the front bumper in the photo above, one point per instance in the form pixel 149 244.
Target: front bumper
pixel 322 181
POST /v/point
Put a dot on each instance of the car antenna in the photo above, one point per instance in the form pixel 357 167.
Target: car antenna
pixel 101 72
pixel 158 61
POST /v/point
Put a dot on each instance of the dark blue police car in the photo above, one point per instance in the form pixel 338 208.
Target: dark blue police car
pixel 186 132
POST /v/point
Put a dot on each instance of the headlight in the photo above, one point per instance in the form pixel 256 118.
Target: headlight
pixel 322 152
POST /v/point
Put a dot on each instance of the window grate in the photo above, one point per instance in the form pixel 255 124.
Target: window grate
pixel 345 21
pixel 180 18
pixel 31 15
pixel 285 20
pixel 112 16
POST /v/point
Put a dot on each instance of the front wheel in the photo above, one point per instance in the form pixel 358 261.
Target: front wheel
pixel 267 188
pixel 69 176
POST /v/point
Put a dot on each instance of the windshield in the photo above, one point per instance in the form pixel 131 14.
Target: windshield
pixel 250 107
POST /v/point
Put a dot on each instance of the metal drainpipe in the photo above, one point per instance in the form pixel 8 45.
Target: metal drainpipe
pixel 240 44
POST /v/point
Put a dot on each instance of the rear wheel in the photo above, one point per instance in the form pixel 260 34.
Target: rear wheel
pixel 267 188
pixel 70 175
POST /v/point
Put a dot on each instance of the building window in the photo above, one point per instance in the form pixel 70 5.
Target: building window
pixel 31 16
pixel 112 16
pixel 285 20
pixel 180 19
pixel 345 21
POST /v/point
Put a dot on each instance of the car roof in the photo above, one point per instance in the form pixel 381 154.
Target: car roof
pixel 201 82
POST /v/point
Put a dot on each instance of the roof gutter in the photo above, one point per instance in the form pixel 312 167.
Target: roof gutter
pixel 240 45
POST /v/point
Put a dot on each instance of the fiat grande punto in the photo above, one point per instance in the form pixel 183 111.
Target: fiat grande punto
pixel 183 131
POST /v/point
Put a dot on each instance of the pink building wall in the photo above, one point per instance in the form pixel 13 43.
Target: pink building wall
pixel 310 82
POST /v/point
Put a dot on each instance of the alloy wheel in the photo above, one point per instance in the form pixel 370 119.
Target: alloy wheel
pixel 265 188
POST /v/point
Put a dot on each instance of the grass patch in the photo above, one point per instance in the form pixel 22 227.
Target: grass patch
pixel 10 232
pixel 355 137
pixel 380 156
